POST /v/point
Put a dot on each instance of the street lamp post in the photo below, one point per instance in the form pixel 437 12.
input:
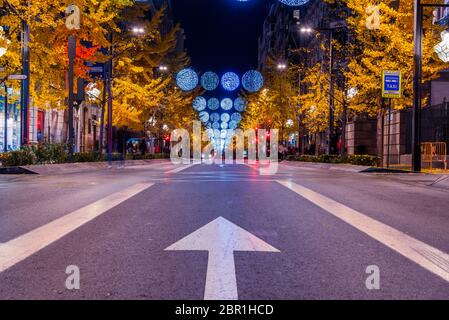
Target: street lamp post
pixel 72 55
pixel 5 134
pixel 281 67
pixel 417 82
pixel 330 131
pixel 109 82
pixel 109 89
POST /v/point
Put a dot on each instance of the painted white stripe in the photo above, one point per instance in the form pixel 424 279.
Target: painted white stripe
pixel 20 248
pixel 181 168
pixel 428 257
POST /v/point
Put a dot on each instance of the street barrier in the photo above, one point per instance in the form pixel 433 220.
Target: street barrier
pixel 434 152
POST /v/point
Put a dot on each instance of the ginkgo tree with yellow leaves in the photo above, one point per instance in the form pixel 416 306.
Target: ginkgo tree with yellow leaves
pixel 138 92
pixel 48 41
pixel 387 46
pixel 145 98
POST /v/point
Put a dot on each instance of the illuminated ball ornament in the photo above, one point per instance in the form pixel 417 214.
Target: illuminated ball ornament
pixel 187 79
pixel 210 81
pixel 225 117
pixel 213 104
pixel 215 125
pixel 199 104
pixel 214 117
pixel 204 116
pixel 224 125
pixel 226 104
pixel 239 104
pixel 237 117
pixel 232 125
pixel 230 81
pixel 294 3
pixel 252 81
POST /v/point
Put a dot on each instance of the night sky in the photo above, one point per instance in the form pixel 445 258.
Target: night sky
pixel 222 35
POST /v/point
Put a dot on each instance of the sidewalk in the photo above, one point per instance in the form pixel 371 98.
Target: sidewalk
pixel 435 180
pixel 78 167
pixel 326 166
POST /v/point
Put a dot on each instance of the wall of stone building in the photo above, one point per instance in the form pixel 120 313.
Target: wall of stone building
pixel 87 127
pixel 394 137
pixel 361 136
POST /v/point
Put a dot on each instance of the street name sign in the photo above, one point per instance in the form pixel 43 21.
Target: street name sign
pixel 17 77
pixel 391 84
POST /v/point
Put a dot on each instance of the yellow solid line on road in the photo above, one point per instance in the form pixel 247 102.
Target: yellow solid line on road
pixel 20 248
pixel 428 257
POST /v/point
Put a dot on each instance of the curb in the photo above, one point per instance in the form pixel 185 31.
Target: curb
pixel 76 167
pixel 328 166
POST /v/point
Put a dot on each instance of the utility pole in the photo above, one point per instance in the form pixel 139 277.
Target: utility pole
pixel 331 92
pixel 5 134
pixel 71 100
pixel 416 126
pixel 109 88
pixel 25 85
pixel 103 103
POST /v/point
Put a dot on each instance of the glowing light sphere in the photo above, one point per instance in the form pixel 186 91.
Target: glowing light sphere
pixel 199 103
pixel 225 117
pixel 294 3
pixel 215 125
pixel 214 117
pixel 187 79
pixel 237 117
pixel 204 116
pixel 224 125
pixel 210 81
pixel 213 104
pixel 240 104
pixel 252 81
pixel 230 81
pixel 226 104
pixel 232 125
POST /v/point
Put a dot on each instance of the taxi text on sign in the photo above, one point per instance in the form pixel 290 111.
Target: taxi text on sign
pixel 391 84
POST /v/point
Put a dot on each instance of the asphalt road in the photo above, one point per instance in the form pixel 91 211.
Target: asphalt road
pixel 303 233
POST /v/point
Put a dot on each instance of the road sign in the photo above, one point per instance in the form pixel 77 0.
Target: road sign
pixel 17 77
pixel 221 238
pixel 391 84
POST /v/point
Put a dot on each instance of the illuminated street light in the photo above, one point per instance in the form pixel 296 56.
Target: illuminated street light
pixel 138 30
pixel 282 66
pixel 306 30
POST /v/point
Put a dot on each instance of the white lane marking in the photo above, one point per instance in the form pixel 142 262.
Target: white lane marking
pixel 20 248
pixel 428 257
pixel 181 168
pixel 221 238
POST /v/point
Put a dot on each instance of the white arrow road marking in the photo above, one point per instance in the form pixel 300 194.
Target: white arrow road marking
pixel 221 238
pixel 16 250
pixel 430 258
